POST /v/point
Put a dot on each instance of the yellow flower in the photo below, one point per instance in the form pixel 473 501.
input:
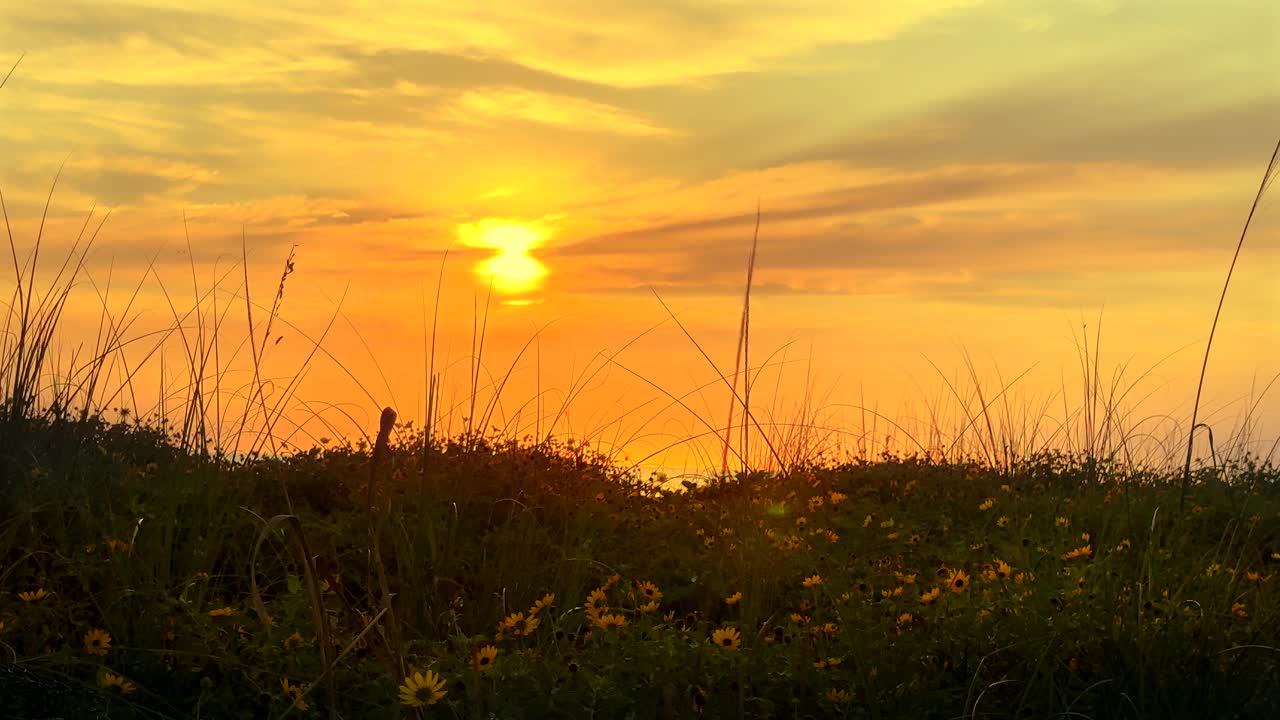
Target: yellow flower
pixel 1003 570
pixel 648 607
pixel 117 545
pixel 958 580
pixel 596 601
pixel 799 619
pixel 828 663
pixel 839 696
pixel 827 629
pixel 733 599
pixel 930 596
pixel 1062 522
pixel 1002 521
pixel 802 521
pixel 111 680
pixel 1005 488
pixel 97 642
pixel 221 612
pixel 727 638
pixel 604 622
pixel 294 693
pixel 33 595
pixel 1082 551
pixel 905 619
pixel 813 581
pixel 421 690
pixel 987 504
pixel 837 497
pixel 542 604
pixel 531 623
pixel 650 591
pixel 483 660
pixel 1239 609
pixel 294 642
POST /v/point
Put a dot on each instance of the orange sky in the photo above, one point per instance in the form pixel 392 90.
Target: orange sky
pixel 933 178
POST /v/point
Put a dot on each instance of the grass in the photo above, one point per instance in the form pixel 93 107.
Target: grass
pixel 211 557
pixel 1072 600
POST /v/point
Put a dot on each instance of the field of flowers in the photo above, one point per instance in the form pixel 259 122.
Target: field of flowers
pixel 479 579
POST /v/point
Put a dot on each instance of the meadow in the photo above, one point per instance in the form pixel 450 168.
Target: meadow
pixel 499 579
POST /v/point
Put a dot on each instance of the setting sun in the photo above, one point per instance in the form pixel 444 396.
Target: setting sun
pixel 513 270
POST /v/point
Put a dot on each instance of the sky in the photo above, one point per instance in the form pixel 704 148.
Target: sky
pixel 951 196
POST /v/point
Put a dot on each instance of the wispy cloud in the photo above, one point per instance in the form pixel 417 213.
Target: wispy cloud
pixel 489 106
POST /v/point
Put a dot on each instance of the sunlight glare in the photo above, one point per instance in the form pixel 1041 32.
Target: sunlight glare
pixel 513 269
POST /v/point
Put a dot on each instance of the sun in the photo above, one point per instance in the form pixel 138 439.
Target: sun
pixel 513 270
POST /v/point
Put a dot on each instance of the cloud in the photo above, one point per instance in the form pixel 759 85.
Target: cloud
pixel 1052 123
pixel 939 231
pixel 508 103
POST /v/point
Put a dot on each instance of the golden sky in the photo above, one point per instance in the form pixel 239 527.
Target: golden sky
pixel 933 178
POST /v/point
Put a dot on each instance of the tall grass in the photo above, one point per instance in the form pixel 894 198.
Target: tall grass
pixel 1267 177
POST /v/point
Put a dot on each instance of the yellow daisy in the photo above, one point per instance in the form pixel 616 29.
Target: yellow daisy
pixel 958 580
pixel 542 604
pixel 111 680
pixel 649 590
pixel 727 638
pixel 604 622
pixel 97 642
pixel 733 599
pixel 294 642
pixel 484 658
pixel 1082 551
pixel 813 581
pixel 421 690
pixel 33 595
pixel 294 693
